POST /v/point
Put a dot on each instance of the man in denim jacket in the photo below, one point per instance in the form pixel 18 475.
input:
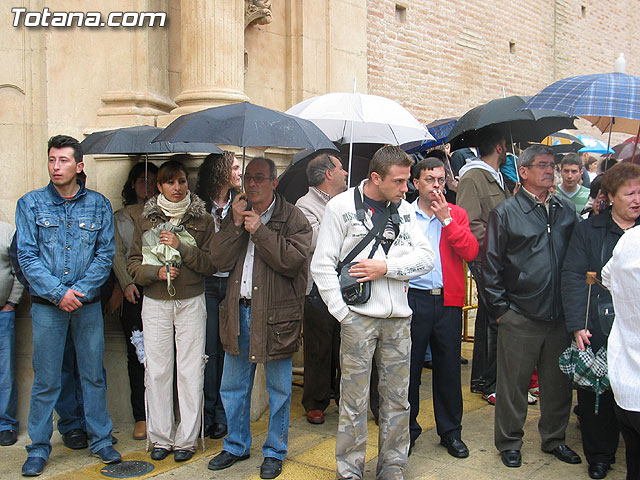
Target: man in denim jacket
pixel 65 250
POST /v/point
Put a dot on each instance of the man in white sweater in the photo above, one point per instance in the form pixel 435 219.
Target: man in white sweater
pixel 381 325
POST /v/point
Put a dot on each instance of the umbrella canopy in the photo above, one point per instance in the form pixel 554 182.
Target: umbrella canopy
pixel 293 182
pixel 246 125
pixel 506 115
pixel 359 118
pixel 137 141
pixel 593 145
pixel 439 129
pixel 610 101
pixel 626 152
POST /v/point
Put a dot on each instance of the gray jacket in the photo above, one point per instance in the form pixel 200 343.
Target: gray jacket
pixel 10 287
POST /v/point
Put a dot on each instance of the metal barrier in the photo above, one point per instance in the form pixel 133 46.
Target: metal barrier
pixel 468 303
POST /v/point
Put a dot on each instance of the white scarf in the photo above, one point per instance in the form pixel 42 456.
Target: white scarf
pixel 174 210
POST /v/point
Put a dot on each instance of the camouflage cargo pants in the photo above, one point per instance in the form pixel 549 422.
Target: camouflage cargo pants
pixel 389 339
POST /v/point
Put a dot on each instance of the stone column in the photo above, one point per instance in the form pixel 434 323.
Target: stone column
pixel 212 38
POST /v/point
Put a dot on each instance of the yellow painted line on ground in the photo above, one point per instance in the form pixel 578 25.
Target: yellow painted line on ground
pixel 292 470
pixel 212 447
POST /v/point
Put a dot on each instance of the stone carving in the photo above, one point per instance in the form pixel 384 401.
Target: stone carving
pixel 257 12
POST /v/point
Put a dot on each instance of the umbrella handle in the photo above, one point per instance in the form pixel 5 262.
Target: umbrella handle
pixel 171 290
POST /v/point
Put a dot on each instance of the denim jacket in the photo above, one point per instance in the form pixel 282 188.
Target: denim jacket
pixel 64 243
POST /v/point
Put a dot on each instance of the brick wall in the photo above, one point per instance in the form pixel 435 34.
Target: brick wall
pixel 445 57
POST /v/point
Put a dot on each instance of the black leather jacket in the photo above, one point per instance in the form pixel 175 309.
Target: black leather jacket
pixel 523 253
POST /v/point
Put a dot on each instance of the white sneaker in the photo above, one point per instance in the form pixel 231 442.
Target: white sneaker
pixel 531 399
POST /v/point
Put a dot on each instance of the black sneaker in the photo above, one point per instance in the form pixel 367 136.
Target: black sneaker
pixel 75 439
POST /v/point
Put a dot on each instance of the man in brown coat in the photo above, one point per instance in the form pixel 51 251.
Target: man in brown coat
pixel 482 188
pixel 265 245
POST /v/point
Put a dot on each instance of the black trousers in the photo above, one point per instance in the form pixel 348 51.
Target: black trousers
pixel 600 433
pixel 485 342
pixel 321 354
pixel 441 327
pixel 630 427
pixel 131 319
pixel 214 292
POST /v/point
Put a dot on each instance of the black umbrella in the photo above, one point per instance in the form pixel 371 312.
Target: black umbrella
pixel 293 182
pixel 137 141
pixel 503 114
pixel 246 125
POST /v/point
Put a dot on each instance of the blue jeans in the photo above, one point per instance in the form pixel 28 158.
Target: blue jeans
pixel 50 326
pixel 70 406
pixel 8 390
pixel 214 293
pixel 235 390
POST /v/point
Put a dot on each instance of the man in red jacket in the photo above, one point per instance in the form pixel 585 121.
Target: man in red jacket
pixel 436 299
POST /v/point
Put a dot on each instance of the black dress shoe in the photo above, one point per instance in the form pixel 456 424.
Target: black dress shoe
pixel 428 364
pixel 565 454
pixel 219 430
pixel 598 470
pixel 8 437
pixel 455 447
pixel 511 458
pixel 270 468
pixel 224 460
pixel 75 439
pixel 464 361
pixel 159 453
pixel 182 455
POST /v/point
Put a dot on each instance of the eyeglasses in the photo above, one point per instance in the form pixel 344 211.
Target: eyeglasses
pixel 543 165
pixel 256 178
pixel 432 180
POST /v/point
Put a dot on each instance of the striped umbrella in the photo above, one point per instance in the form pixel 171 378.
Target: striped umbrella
pixel 610 101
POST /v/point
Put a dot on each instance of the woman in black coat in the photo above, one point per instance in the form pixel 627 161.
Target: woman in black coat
pixel 590 248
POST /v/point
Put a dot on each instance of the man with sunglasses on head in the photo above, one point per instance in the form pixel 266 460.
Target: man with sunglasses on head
pixel 265 244
pixel 526 241
pixel 436 299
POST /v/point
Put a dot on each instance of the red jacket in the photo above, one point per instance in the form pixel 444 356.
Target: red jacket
pixel 457 243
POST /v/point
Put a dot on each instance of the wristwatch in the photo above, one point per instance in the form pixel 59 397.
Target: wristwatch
pixel 447 221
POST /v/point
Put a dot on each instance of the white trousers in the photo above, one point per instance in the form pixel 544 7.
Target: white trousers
pixel 166 322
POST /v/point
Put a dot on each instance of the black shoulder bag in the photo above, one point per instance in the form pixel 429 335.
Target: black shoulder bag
pixel 354 292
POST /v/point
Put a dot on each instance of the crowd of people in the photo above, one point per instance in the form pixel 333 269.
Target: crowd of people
pixel 208 284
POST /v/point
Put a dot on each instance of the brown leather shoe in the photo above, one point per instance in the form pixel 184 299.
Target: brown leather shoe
pixel 315 416
pixel 140 430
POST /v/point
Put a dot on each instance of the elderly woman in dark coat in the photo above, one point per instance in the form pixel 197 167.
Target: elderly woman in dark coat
pixel 590 248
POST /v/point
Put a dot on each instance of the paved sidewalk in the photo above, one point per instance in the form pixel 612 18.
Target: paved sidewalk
pixel 311 450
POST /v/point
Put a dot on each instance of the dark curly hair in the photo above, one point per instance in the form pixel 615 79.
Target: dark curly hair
pixel 213 175
pixel 129 196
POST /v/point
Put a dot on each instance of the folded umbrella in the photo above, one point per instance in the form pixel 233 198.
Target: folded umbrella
pixel 156 253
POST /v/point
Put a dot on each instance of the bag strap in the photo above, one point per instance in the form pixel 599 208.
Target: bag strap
pixel 377 228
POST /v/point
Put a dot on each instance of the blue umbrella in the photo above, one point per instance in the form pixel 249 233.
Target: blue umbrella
pixel 610 101
pixel 439 129
pixel 593 145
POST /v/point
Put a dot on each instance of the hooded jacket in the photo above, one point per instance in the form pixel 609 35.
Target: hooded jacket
pixel 478 193
pixel 196 262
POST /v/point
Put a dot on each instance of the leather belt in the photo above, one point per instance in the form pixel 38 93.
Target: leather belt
pixel 436 292
pixel 245 302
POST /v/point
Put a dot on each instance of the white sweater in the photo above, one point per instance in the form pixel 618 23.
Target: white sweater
pixel 410 256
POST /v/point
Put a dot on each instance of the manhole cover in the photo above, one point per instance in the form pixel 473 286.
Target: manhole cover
pixel 128 469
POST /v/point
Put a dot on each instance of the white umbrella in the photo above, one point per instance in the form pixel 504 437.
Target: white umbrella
pixel 375 119
pixel 360 118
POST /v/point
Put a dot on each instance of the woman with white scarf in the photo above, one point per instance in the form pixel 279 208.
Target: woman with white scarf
pixel 176 318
